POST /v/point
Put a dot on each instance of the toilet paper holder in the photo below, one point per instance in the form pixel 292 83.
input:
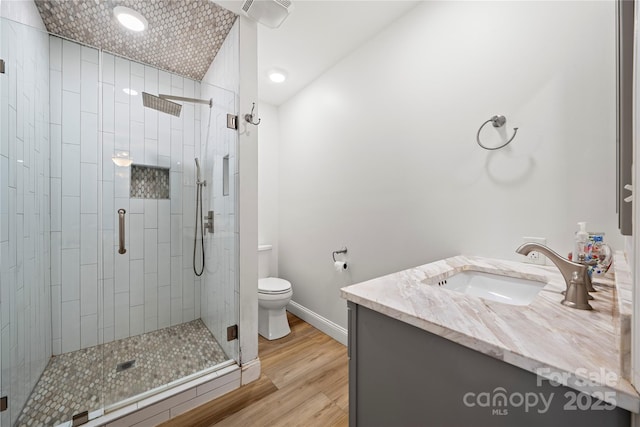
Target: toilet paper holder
pixel 341 251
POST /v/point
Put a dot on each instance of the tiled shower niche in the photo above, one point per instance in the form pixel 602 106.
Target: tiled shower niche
pixel 149 182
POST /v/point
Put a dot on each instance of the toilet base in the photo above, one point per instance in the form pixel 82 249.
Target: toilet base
pixel 273 323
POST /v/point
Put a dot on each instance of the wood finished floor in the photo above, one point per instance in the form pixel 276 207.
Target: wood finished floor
pixel 304 382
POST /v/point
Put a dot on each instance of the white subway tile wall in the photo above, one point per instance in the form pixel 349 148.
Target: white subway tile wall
pixel 149 287
pixel 74 164
pixel 25 271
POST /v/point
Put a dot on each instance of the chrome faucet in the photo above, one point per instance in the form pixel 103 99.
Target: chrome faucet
pixel 575 275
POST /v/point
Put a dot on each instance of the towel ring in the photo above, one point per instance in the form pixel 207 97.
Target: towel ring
pixel 497 121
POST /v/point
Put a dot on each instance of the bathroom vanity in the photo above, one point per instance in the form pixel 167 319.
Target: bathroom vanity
pixel 422 353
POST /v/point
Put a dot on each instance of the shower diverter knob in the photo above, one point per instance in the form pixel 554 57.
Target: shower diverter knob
pixel 208 224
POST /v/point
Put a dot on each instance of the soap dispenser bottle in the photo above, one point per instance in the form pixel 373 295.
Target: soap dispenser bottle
pixel 581 242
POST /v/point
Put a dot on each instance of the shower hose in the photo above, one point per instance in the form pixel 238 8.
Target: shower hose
pixel 195 237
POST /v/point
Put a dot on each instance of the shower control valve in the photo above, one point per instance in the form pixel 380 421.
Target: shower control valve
pixel 208 222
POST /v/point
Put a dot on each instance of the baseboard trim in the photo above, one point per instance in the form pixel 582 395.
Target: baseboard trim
pixel 335 331
pixel 250 371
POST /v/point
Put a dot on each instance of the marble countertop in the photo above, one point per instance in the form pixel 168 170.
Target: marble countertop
pixel 578 348
pixel 624 286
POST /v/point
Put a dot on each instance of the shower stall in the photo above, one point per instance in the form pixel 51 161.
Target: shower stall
pixel 100 306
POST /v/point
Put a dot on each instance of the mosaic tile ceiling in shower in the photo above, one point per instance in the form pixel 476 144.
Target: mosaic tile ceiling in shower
pixel 183 35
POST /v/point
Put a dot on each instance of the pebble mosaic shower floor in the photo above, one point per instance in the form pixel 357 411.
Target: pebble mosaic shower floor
pixel 84 379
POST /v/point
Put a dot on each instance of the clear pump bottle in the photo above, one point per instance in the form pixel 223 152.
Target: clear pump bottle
pixel 581 242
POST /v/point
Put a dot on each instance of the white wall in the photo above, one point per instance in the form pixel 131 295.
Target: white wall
pixel 23 11
pixel 268 176
pixel 25 312
pixel 379 153
pixel 224 70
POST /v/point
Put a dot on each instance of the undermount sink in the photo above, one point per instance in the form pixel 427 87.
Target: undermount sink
pixel 504 289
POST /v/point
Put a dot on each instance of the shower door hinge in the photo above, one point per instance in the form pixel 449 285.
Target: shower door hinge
pixel 232 121
pixel 1 66
pixel 4 403
pixel 232 333
pixel 79 419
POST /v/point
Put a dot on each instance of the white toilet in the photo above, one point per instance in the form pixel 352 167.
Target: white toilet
pixel 273 296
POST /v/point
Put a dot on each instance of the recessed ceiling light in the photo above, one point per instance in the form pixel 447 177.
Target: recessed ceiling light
pixel 277 76
pixel 130 91
pixel 130 19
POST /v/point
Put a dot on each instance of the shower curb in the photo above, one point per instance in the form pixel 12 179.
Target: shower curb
pixel 169 403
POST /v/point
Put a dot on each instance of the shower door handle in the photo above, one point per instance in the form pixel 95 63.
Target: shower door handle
pixel 121 213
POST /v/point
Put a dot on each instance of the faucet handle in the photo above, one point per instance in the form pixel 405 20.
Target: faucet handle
pixel 582 259
pixel 588 284
pixel 577 295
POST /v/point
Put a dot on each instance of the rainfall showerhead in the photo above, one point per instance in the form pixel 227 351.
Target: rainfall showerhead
pixel 161 104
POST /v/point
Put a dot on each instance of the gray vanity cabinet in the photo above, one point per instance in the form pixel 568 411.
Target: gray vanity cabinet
pixel 625 15
pixel 400 375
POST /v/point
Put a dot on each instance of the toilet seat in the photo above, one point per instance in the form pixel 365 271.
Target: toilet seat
pixel 273 286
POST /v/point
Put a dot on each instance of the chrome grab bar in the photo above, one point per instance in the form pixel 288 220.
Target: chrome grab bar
pixel 121 213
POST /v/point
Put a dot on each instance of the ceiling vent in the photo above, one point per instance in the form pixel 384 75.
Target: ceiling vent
pixel 270 13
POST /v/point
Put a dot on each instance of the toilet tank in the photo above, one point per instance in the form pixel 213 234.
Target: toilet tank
pixel 264 260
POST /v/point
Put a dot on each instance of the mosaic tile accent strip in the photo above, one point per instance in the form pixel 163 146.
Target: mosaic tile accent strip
pixel 182 37
pixel 72 382
pixel 149 182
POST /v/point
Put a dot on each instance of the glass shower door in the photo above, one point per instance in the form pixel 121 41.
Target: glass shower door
pixel 5 309
pixel 76 370
pixel 50 358
pixel 220 283
pixel 157 329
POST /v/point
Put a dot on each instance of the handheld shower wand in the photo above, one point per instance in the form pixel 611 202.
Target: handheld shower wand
pixel 197 171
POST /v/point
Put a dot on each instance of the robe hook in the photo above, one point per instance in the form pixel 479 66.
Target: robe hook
pixel 249 117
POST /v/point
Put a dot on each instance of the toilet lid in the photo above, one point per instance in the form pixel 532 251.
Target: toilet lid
pixel 273 285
